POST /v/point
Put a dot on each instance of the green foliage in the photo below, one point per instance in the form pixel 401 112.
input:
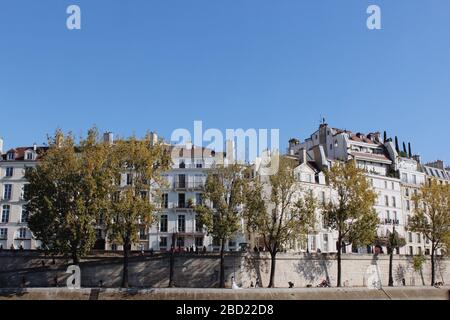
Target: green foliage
pixel 130 207
pixel 352 214
pixel 275 211
pixel 224 192
pixel 418 261
pixel 67 191
pixel 432 214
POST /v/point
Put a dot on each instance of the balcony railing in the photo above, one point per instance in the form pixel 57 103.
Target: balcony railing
pixel 391 221
pixel 189 185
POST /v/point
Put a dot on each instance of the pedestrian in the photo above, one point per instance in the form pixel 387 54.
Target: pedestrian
pixel 257 284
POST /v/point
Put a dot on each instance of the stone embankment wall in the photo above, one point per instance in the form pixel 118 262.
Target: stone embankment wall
pixel 32 269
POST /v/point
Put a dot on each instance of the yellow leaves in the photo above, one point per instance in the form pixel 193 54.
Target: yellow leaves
pixel 432 212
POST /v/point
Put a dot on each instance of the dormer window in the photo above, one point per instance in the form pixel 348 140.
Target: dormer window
pixel 29 156
pixel 10 156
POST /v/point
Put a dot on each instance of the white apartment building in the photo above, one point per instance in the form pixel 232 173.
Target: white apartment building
pixel 310 178
pixel 14 232
pixel 371 154
pixel 177 222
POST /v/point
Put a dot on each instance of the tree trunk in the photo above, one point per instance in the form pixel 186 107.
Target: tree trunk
pixel 432 264
pixel 172 262
pixel 391 278
pixel 222 264
pixel 273 263
pixel 75 258
pixel 339 267
pixel 126 253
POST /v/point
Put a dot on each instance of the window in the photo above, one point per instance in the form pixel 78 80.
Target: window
pixel 198 225
pixel 419 238
pixel 198 198
pixel 165 200
pixel 199 242
pixel 24 191
pixel 129 179
pixel 199 165
pixel 419 250
pixel 5 213
pixel 393 185
pixel 325 242
pixel 386 201
pixel 142 235
pixel 408 205
pixel 3 233
pixel 394 202
pixel 404 177
pixel 323 197
pixel 395 217
pixel 410 237
pixel 181 181
pixel 9 172
pixel 114 247
pixel 29 156
pixel 144 194
pixel 163 223
pixel 180 242
pixel 385 185
pixel 24 215
pixel 388 216
pixel 411 250
pixel 163 242
pixel 7 190
pixel 181 200
pixel 22 233
pixel 414 179
pixel 182 165
pixel 312 243
pixel 10 156
pixel 181 223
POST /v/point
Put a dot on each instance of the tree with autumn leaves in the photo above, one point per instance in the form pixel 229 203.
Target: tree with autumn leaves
pixel 67 191
pixel 279 212
pixel 351 212
pixel 431 218
pixel 220 213
pixel 76 185
pixel 132 204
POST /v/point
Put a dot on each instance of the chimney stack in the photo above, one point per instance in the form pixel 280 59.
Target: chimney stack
pixel 34 147
pixel 108 138
pixel 153 138
pixel 304 156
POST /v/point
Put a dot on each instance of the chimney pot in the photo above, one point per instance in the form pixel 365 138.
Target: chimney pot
pixel 108 137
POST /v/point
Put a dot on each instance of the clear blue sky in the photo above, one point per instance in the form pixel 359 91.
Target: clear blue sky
pixel 160 65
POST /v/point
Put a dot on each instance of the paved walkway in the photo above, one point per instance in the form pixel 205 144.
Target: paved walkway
pixel 399 293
